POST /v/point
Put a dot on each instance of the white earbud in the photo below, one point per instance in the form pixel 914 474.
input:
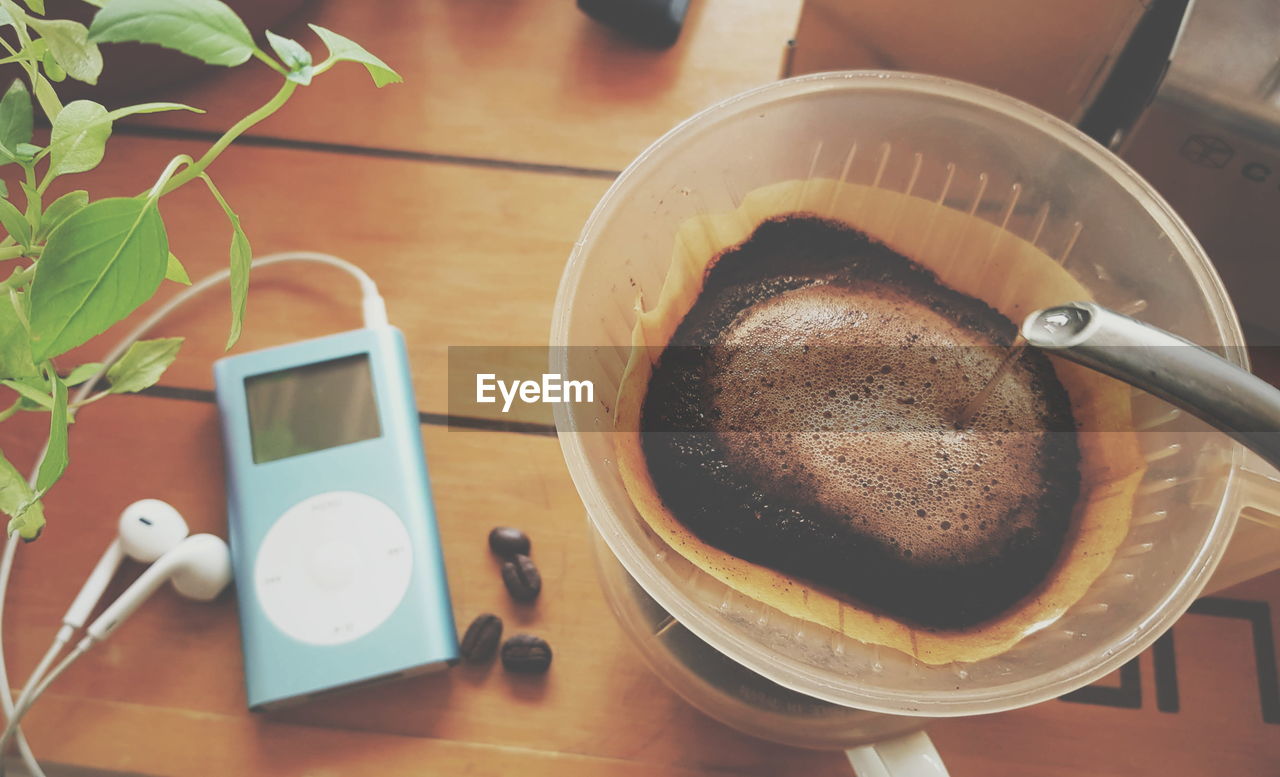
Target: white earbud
pixel 199 568
pixel 150 528
pixel 150 531
pixel 147 530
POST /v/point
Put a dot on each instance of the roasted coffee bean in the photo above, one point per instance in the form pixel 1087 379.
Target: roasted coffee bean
pixel 482 638
pixel 508 542
pixel 526 654
pixel 522 578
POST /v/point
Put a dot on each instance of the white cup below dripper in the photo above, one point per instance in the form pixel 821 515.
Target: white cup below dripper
pixel 878 745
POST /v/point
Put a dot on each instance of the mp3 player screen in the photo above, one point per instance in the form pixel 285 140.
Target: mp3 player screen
pixel 311 408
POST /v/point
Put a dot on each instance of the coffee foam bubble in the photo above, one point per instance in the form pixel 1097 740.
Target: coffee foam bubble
pixel 845 398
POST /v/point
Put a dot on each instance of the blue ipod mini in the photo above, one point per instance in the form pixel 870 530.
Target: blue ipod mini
pixel 339 573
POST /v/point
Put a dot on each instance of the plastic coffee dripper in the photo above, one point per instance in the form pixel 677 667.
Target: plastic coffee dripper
pixel 967 149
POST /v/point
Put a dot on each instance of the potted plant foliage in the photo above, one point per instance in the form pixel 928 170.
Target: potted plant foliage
pixel 78 265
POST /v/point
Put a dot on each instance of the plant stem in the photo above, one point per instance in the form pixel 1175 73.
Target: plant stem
pixel 10 410
pixel 268 108
pixel 323 66
pixel 11 252
pixel 18 311
pixel 18 277
pixel 169 170
pixel 87 400
pixel 24 40
pixel 48 179
pixel 33 203
pixel 271 63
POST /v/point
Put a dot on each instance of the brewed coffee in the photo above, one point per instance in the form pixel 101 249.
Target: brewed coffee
pixel 823 334
pixel 802 417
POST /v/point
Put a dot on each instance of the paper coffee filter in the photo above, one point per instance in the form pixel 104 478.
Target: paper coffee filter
pixel 972 256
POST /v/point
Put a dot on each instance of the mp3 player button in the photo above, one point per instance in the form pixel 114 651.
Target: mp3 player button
pixel 333 567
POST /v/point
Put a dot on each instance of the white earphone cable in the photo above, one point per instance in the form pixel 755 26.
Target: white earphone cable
pixel 41 668
pixel 374 313
pixel 32 692
pixel 6 694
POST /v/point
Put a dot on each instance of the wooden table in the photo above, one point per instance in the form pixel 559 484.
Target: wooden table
pixel 462 191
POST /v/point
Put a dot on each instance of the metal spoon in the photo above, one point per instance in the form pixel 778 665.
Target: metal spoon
pixel 1176 370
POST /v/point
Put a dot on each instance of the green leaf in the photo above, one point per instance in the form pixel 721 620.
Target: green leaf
pixel 18 501
pixel 241 256
pixel 82 373
pixel 129 110
pixel 52 69
pixel 35 5
pixel 59 210
pixel 15 345
pixel 143 364
pixel 296 58
pixel 205 29
pixel 98 266
pixel 79 137
pixel 48 99
pixel 15 223
pixel 346 50
pixel 28 390
pixel 26 151
pixel 34 51
pixel 15 115
pixel 54 462
pixel 174 271
pixel 33 393
pixel 69 45
pixel 4 189
pixel 291 52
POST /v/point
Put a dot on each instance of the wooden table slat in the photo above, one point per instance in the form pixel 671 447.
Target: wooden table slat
pixel 584 97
